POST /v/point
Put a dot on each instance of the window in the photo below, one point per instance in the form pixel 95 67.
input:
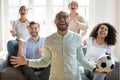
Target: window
pixel 43 11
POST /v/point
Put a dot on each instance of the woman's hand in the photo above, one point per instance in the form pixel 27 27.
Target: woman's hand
pixel 13 32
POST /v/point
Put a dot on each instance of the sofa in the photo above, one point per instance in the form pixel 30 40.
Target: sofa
pixel 9 73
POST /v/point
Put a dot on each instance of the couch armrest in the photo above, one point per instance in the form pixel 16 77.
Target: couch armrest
pixel 3 60
pixel 10 73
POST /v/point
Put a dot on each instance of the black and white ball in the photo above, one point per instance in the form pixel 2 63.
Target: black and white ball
pixel 105 63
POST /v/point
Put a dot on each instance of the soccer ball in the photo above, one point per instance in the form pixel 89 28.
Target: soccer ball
pixel 105 64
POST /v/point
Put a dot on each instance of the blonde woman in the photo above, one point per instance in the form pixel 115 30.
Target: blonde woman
pixel 76 22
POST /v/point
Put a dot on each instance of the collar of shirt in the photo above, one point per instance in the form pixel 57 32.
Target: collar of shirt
pixel 65 36
pixel 35 41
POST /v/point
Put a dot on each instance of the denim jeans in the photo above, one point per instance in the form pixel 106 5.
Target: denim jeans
pixel 30 72
pixel 94 76
pixel 98 77
pixel 89 74
pixel 12 47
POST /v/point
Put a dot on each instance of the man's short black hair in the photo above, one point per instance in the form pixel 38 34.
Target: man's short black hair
pixel 33 22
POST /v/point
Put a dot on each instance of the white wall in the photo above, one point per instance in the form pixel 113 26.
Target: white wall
pixel 1 22
pixel 4 31
pixel 108 11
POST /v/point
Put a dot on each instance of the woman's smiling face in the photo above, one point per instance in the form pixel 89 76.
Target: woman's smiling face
pixel 103 31
pixel 73 6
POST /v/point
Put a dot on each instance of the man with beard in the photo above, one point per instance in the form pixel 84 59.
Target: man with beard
pixel 63 49
pixel 32 49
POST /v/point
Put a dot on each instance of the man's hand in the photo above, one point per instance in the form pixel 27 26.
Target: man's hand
pixel 83 33
pixel 17 61
pixel 40 51
pixel 98 71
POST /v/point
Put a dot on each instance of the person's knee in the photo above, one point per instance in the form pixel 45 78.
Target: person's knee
pixel 12 44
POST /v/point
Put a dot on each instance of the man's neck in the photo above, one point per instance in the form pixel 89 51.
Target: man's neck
pixel 62 33
pixel 35 38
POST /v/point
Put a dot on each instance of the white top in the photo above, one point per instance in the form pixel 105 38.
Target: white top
pixel 77 24
pixel 94 51
pixel 21 29
pixel 64 53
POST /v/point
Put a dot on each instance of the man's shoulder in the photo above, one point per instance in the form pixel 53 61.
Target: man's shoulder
pixel 28 40
pixel 49 39
pixel 51 35
pixel 75 37
pixel 74 34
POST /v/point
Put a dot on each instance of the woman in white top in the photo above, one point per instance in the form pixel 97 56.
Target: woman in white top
pixel 100 42
pixel 20 31
pixel 77 22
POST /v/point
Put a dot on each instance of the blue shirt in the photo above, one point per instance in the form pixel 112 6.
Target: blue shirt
pixel 30 48
pixel 64 53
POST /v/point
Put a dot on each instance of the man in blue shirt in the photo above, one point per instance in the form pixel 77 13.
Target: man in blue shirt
pixel 63 50
pixel 32 49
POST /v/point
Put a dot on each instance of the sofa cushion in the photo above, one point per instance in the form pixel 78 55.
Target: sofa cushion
pixel 3 60
pixel 10 73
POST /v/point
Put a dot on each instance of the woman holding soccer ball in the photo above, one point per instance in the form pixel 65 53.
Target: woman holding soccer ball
pixel 100 42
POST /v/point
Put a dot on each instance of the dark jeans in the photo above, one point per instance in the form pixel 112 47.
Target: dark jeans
pixel 30 72
pixel 12 47
pixel 44 75
pixel 89 74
